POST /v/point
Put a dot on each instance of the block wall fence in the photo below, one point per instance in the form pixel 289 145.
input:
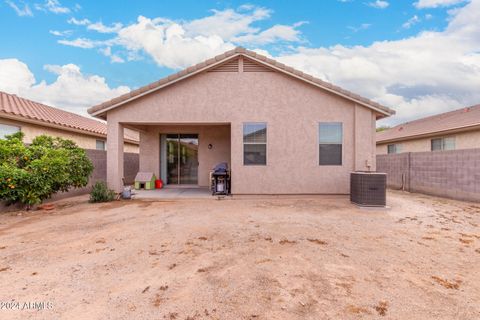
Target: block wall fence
pixel 452 174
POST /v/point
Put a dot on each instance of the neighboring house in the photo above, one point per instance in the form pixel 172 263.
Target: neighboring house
pixel 34 119
pixel 454 130
pixel 281 131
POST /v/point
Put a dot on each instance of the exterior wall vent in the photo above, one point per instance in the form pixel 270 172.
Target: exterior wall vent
pixel 252 66
pixel 229 66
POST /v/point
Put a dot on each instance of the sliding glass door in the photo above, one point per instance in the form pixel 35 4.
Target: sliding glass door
pixel 182 158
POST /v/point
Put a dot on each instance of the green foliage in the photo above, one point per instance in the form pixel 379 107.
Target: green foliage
pixel 31 174
pixel 101 193
pixel 382 128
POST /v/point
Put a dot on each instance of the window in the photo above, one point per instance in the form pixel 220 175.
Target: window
pixel 100 145
pixel 255 144
pixel 330 137
pixel 6 130
pixel 394 148
pixel 439 144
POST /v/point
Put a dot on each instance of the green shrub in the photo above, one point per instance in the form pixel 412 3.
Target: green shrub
pixel 101 193
pixel 31 174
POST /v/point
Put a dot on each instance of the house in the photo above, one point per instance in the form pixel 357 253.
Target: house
pixel 34 119
pixel 280 130
pixel 454 130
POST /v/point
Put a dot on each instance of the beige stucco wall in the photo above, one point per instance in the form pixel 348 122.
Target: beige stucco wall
pixel 292 110
pixel 217 135
pixel 82 140
pixel 463 140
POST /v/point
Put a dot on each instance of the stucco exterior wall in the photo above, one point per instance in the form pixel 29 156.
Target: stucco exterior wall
pixel 217 135
pixel 463 140
pixel 82 140
pixel 292 110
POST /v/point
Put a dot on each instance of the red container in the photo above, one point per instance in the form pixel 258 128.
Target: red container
pixel 158 184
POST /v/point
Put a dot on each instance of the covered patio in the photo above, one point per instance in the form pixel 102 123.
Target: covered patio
pixel 173 192
pixel 182 155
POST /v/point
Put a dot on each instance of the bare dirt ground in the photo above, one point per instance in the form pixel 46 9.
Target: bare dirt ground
pixel 261 258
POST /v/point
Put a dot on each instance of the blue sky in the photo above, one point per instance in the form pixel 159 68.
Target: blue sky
pixel 400 53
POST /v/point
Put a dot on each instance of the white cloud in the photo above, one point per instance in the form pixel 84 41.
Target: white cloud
pixel 379 4
pixel 363 26
pixel 431 72
pixel 71 90
pixel 14 75
pixel 271 35
pixel 53 6
pixel 167 43
pixel 227 23
pixel 82 22
pixel 178 44
pixel 79 43
pixel 422 4
pixel 58 33
pixel 410 22
pixel 101 28
pixel 21 12
pixel 107 51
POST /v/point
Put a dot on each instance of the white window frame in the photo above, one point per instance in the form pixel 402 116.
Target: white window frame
pixel 104 144
pixel 397 148
pixel 319 143
pixel 443 143
pixel 265 143
pixel 7 125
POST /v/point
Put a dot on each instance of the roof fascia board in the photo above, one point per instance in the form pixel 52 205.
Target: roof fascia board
pixel 100 113
pixel 56 126
pixel 320 86
pixel 432 134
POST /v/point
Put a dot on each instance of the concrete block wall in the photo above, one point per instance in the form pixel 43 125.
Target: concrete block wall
pixel 99 161
pixel 453 174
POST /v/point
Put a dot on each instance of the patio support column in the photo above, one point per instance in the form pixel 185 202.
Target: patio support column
pixel 115 156
pixel 150 151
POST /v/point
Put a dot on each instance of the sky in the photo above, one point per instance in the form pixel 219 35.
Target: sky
pixel 418 57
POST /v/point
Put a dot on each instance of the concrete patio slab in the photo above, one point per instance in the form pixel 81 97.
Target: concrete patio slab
pixel 173 193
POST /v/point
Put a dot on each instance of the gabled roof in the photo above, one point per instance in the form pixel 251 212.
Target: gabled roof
pixel 20 109
pixel 457 120
pixel 101 109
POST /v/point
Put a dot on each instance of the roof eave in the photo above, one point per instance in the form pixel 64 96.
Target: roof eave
pixel 102 112
pixel 58 126
pixel 97 111
pixel 431 134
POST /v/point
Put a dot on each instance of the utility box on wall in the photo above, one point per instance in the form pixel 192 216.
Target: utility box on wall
pixel 368 189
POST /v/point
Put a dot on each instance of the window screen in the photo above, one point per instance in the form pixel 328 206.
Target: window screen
pixel 330 137
pixel 449 143
pixel 443 144
pixel 394 148
pixel 254 143
pixel 6 130
pixel 100 145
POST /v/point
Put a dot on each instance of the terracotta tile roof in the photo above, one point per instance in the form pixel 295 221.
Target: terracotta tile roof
pixel 13 105
pixel 453 120
pixel 98 110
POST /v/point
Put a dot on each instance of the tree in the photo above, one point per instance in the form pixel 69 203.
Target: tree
pixel 33 173
pixel 382 128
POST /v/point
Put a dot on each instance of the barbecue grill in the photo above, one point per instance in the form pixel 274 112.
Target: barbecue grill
pixel 220 179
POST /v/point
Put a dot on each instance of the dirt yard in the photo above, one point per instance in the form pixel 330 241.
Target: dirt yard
pixel 262 258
